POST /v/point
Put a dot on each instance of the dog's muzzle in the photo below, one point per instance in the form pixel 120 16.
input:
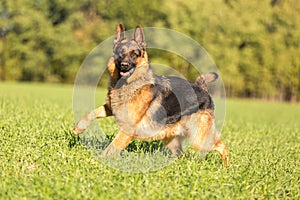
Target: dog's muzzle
pixel 126 68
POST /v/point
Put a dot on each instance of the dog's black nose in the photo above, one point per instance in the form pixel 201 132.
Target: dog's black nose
pixel 124 65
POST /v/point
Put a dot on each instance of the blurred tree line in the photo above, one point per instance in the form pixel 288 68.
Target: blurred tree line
pixel 254 43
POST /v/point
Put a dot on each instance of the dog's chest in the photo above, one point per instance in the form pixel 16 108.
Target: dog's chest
pixel 130 103
pixel 124 93
pixel 121 97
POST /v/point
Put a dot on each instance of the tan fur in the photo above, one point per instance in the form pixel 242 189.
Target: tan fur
pixel 111 67
pixel 139 104
pixel 135 99
pixel 118 144
pixel 204 122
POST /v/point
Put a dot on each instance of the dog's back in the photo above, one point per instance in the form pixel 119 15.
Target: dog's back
pixel 180 98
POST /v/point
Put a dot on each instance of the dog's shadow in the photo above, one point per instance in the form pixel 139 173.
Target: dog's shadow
pixel 92 142
pixel 97 146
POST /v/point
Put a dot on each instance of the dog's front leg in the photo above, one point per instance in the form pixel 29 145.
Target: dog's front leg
pixel 83 123
pixel 120 142
pixel 174 144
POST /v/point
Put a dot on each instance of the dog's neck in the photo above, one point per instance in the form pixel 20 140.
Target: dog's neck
pixel 142 71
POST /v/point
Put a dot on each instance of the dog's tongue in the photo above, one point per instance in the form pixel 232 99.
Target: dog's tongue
pixel 124 73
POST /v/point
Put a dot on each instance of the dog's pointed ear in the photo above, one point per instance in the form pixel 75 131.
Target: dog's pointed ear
pixel 120 33
pixel 139 36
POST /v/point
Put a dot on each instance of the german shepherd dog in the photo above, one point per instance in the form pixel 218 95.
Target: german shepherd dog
pixel 151 107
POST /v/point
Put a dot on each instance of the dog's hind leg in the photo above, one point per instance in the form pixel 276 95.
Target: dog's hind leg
pixel 119 143
pixel 83 123
pixel 174 144
pixel 223 151
pixel 201 135
pixel 206 138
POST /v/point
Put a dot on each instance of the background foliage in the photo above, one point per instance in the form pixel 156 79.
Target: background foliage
pixel 254 43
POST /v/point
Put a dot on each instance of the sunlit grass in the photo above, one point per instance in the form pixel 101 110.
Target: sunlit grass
pixel 39 159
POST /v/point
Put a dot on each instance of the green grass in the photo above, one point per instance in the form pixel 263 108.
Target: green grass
pixel 39 159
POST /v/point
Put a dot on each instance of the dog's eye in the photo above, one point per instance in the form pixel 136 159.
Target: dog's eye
pixel 134 54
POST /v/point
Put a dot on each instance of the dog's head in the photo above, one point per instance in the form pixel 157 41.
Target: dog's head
pixel 129 54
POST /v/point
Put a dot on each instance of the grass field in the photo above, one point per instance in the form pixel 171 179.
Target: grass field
pixel 39 159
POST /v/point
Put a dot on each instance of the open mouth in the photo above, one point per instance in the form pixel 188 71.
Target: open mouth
pixel 127 73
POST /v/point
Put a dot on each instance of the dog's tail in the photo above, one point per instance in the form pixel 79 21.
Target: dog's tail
pixel 204 79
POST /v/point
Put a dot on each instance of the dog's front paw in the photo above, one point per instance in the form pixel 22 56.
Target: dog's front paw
pixel 76 131
pixel 112 150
